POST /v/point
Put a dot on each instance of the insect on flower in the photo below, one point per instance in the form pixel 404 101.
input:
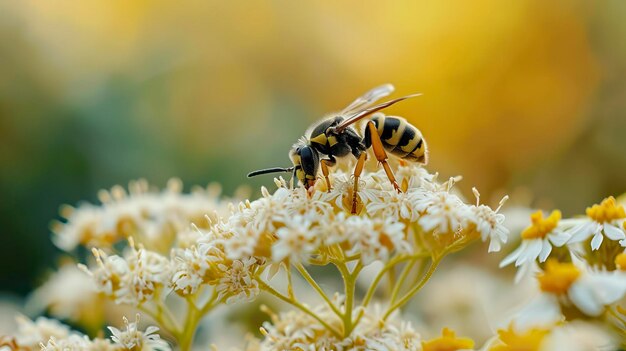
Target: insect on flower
pixel 334 137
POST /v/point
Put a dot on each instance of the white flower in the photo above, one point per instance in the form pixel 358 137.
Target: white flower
pixel 398 205
pixel 375 239
pixel 296 241
pixel 31 333
pixel 79 228
pixel 442 212
pixel 71 343
pixel 590 291
pixel 237 282
pixel 152 217
pixel 133 339
pixel 604 219
pixel 537 240
pixel 148 271
pixel 489 223
pixel 189 272
pixel 111 274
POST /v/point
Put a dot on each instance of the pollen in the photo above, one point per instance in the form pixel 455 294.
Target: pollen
pixel 558 277
pixel 620 261
pixel 540 226
pixel 608 210
pixel 510 340
pixel 448 342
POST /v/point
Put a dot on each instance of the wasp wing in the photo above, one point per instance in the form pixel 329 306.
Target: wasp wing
pixel 368 98
pixel 357 116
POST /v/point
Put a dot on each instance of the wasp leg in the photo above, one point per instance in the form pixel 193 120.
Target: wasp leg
pixel 357 173
pixel 325 164
pixel 381 155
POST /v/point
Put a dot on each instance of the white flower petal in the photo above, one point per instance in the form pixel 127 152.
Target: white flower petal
pixel 545 251
pixel 559 238
pixel 513 256
pixel 531 253
pixel 583 297
pixel 607 287
pixel 612 232
pixel 597 241
pixel 583 231
pixel 543 310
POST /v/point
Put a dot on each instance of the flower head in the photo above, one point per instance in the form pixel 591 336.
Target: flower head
pixel 538 239
pixel 603 220
pixel 133 339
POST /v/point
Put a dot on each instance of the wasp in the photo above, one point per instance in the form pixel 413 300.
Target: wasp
pixel 335 137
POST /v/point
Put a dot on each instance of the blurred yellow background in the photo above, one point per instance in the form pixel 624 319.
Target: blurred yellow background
pixel 524 97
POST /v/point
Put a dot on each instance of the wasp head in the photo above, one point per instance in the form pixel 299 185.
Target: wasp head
pixel 306 162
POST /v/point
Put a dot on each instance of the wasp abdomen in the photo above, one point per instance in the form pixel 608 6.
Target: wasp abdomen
pixel 399 137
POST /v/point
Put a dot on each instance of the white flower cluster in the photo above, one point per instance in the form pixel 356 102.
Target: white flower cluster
pixel 154 218
pixel 133 279
pixel 289 225
pixel 295 330
pixel 51 335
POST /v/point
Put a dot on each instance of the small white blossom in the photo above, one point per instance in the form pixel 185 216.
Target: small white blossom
pixel 296 241
pixel 489 223
pixel 375 239
pixel 131 338
pixel 442 212
pixel 238 282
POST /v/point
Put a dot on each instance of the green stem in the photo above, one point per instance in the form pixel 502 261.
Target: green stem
pixel 405 273
pixel 163 323
pixel 349 280
pixel 395 260
pixel 194 316
pixel 415 289
pixel 263 285
pixel 307 276
pixel 289 282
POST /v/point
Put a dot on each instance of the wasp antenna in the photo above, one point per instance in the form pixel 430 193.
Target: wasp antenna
pixel 269 170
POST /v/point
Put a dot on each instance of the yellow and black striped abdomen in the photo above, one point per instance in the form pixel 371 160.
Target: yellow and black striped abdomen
pixel 399 137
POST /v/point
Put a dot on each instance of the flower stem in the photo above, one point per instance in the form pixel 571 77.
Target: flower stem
pixel 194 316
pixel 349 280
pixel 405 273
pixel 307 276
pixel 263 285
pixel 395 260
pixel 415 289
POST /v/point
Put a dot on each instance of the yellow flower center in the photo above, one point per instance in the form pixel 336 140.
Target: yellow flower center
pixel 540 226
pixel 620 261
pixel 608 210
pixel 558 277
pixel 529 340
pixel 447 342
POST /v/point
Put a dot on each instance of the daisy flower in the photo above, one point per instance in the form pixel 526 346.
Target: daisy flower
pixel 537 239
pixel 565 283
pixel 604 219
